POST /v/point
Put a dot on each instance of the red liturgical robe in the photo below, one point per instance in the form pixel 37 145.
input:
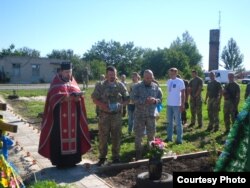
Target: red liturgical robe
pixel 60 93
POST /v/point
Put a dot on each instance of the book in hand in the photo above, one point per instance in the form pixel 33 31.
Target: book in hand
pixel 114 107
pixel 76 94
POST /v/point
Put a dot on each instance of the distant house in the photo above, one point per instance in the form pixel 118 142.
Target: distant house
pixel 28 70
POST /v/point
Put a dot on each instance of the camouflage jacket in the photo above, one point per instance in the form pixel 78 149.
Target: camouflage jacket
pixel 139 95
pixel 110 93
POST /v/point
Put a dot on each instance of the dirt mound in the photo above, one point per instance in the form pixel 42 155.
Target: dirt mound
pixel 127 177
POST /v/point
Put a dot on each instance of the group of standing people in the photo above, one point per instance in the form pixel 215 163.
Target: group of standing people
pixel 214 94
pixel 111 96
pixel 64 133
pixel 231 93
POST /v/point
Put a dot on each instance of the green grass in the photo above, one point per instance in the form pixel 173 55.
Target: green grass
pixel 25 93
pixel 194 140
pixel 48 184
pixel 28 109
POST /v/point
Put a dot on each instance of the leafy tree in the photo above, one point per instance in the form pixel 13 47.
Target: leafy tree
pixel 155 60
pixel 78 63
pixel 27 52
pixel 177 58
pixel 61 54
pixel 104 51
pixel 131 58
pixel 188 47
pixel 95 67
pixel 7 52
pixel 78 67
pixel 98 68
pixel 24 52
pixel 231 56
pixel 123 56
pixel 160 60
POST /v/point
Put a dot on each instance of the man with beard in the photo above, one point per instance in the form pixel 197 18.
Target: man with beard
pixel 110 95
pixel 64 133
pixel 145 95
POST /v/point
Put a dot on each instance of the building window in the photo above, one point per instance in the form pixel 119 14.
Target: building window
pixel 35 70
pixel 16 69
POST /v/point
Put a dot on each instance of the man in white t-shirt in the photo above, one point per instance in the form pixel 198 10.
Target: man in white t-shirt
pixel 175 105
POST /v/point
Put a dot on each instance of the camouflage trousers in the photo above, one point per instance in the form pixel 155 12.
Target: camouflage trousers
pixel 196 110
pixel 140 123
pixel 85 84
pixel 109 126
pixel 213 108
pixel 230 111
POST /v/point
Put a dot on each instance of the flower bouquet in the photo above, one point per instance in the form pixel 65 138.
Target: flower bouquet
pixel 156 148
pixel 156 151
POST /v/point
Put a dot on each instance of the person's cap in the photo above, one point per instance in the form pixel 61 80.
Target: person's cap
pixel 173 69
pixel 66 65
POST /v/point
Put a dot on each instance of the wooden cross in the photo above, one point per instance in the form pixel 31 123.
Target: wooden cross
pixel 6 126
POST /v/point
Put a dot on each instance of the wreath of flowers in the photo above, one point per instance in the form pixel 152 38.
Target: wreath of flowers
pixel 9 177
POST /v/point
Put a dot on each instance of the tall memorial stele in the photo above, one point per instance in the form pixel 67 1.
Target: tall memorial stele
pixel 214 44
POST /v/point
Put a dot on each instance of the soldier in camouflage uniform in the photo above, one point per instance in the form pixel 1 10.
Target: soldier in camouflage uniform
pixel 110 96
pixel 146 95
pixel 231 94
pixel 195 88
pixel 102 78
pixel 123 80
pixel 85 78
pixel 213 95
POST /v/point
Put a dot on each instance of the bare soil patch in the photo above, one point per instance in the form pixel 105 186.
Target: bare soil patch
pixel 126 178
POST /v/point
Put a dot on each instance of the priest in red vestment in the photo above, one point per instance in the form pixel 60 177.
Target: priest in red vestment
pixel 64 133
